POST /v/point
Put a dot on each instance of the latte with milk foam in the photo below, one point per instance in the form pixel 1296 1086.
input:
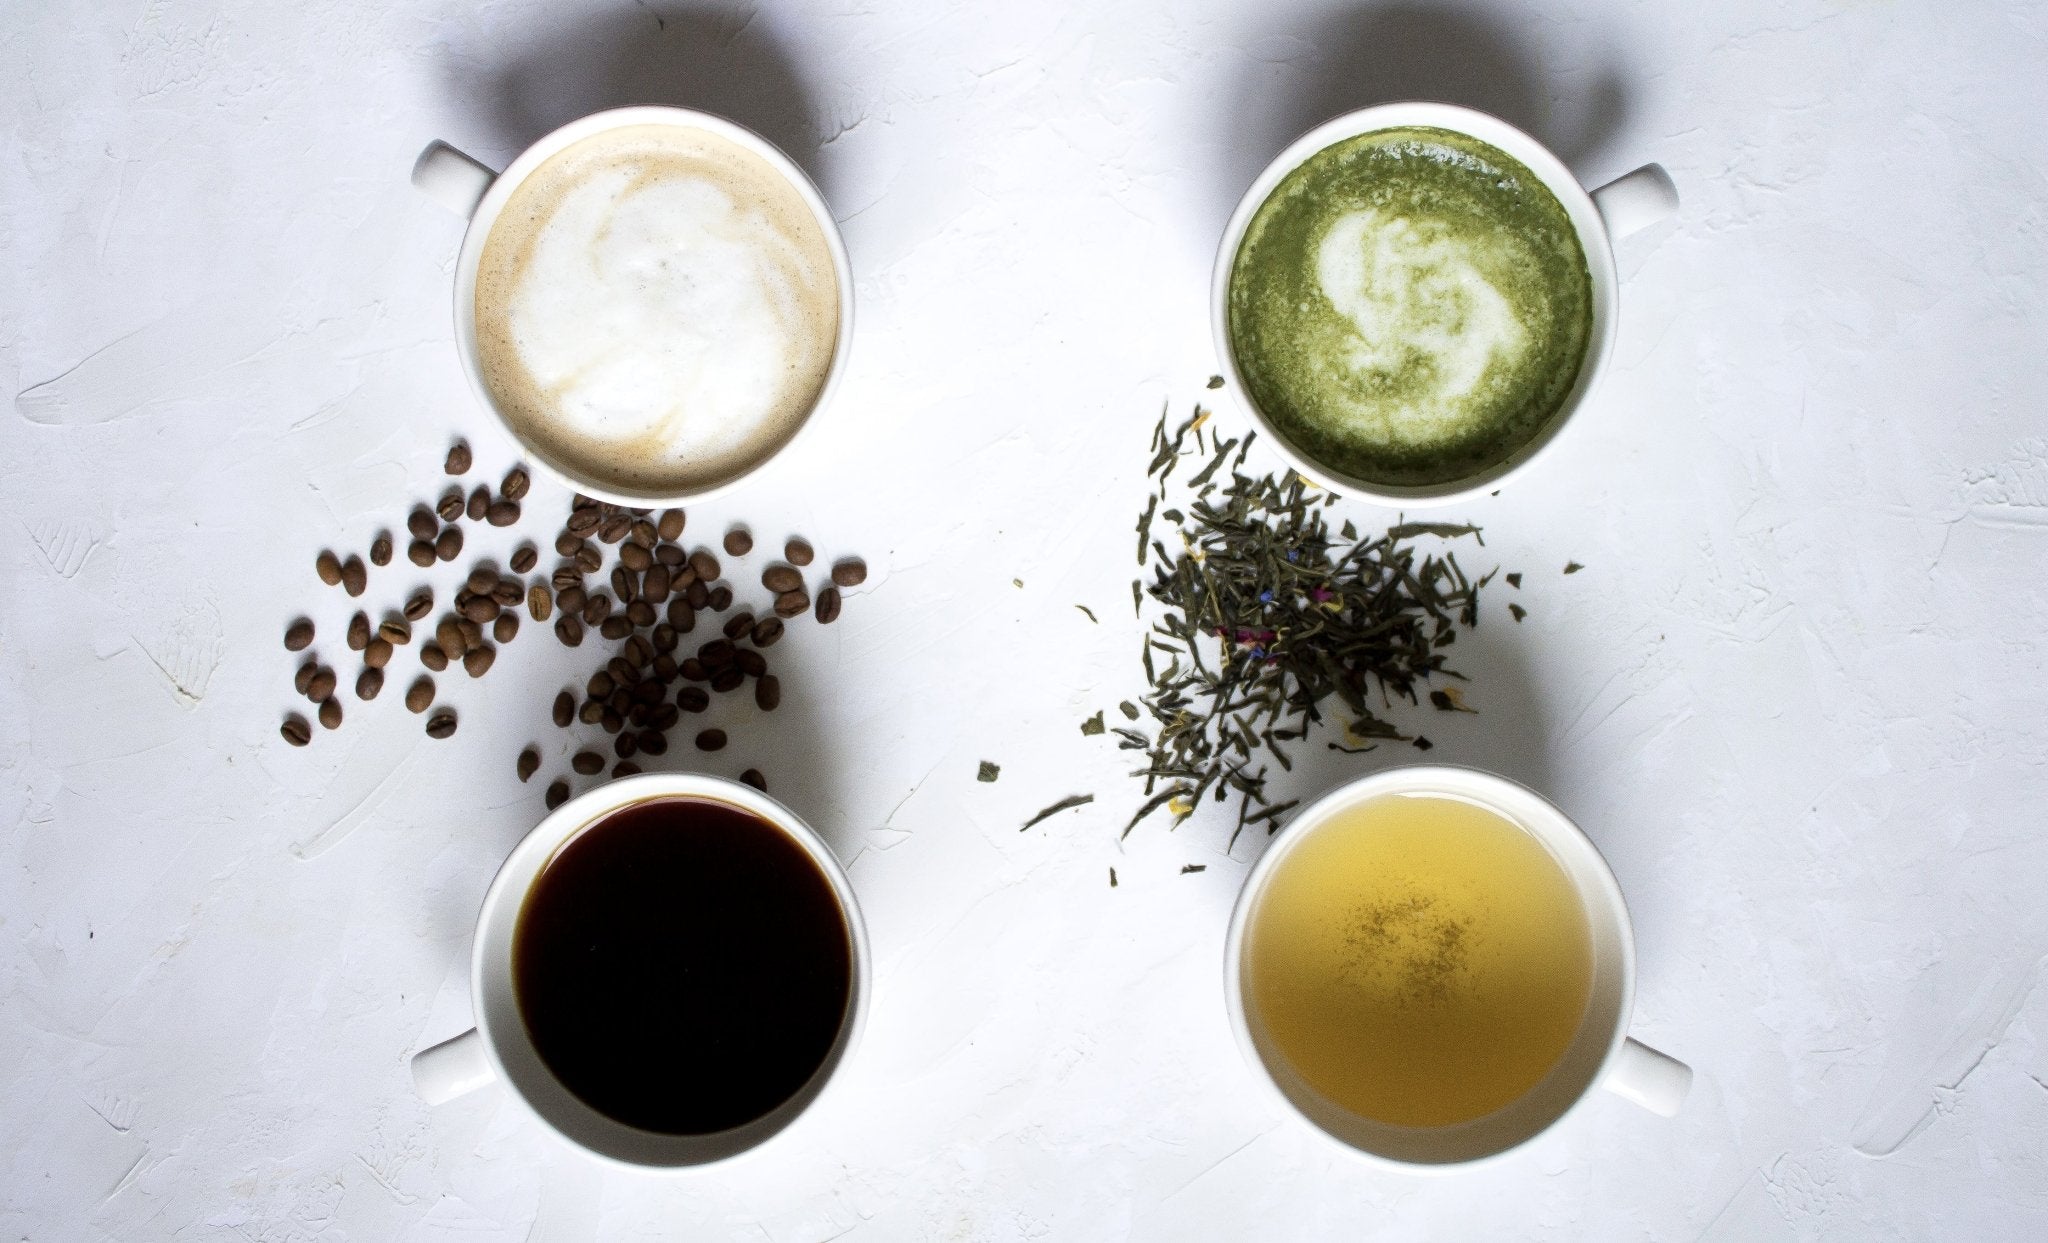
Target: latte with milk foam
pixel 657 309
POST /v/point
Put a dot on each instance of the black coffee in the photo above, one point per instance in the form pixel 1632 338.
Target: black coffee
pixel 682 966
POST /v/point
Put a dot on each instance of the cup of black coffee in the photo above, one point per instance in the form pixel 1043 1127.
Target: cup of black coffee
pixel 668 971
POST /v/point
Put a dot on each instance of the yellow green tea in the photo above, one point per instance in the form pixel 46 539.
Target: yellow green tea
pixel 1419 960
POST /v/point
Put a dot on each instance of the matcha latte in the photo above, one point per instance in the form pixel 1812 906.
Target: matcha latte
pixel 1410 307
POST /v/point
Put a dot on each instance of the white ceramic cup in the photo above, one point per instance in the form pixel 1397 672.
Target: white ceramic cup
pixel 471 190
pixel 498 1048
pixel 1623 206
pixel 1600 1055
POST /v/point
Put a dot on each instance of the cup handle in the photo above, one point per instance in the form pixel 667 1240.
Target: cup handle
pixel 452 179
pixel 452 1068
pixel 1631 202
pixel 1656 1081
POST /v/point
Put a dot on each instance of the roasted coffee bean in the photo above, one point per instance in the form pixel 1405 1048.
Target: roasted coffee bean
pixel 358 632
pixel 851 572
pixel 670 526
pixel 558 794
pixel 716 654
pixel 694 669
pixel 441 724
pixel 449 635
pixel 698 595
pixel 448 545
pixel 738 543
pixel 449 507
pixel 353 576
pixel 299 635
pixel 321 688
pixel 625 745
pixel 663 716
pixel 649 692
pixel 420 552
pixel 682 616
pixel 433 657
pixel 481 580
pixel 419 604
pixel 767 631
pixel 653 742
pixel 369 682
pixel 614 528
pixel 566 576
pixel 720 598
pixel 592 712
pixel 515 485
pixel 754 778
pixel 395 631
pixel 597 608
pixel 624 585
pixel 711 740
pixel 380 549
pixel 590 560
pixel 420 695
pixel 378 653
pixel 582 521
pixel 296 731
pixel 569 630
pixel 477 660
pixel 481 609
pixel 638 650
pixel 644 535
pixel 663 638
pixel 422 523
pixel 640 613
pixel 458 458
pixel 565 709
pixel 693 699
pixel 670 555
pixel 508 593
pixel 781 578
pixel 828 605
pixel 600 685
pixel 524 558
pixel 791 603
pixel 654 584
pixel 568 545
pixel 768 692
pixel 587 763
pixel 506 628
pixel 751 662
pixel 727 680
pixel 539 604
pixel 625 768
pixel 797 551
pixel 571 599
pixel 330 714
pixel 472 633
pixel 529 763
pixel 328 567
pixel 634 557
pixel 502 513
pixel 623 672
pixel 738 624
pixel 611 722
pixel 479 503
pixel 616 627
pixel 302 681
pixel 705 566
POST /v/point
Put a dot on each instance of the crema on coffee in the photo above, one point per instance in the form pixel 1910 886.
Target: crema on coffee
pixel 656 308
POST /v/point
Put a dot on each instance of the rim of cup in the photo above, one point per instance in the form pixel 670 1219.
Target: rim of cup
pixel 515 173
pixel 1586 222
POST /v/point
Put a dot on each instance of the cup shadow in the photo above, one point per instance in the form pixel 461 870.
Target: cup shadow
pixel 711 57
pixel 1369 54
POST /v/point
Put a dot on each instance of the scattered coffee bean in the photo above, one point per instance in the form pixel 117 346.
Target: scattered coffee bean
pixel 449 507
pixel 851 572
pixel 792 603
pixel 433 657
pixel 302 681
pixel 378 653
pixel 693 699
pixel 353 576
pixel 515 485
pixel 330 714
pixel 716 654
pixel 419 604
pixel 502 513
pixel 625 768
pixel 524 558
pixel 441 724
pixel 638 650
pixel 682 616
pixel 568 545
pixel 705 566
pixel 626 745
pixel 664 716
pixel 566 575
pixel 420 553
pixel 654 584
pixel 395 632
pixel 587 763
pixel 480 581
pixel 664 638
pixel 569 630
pixel 694 670
pixel 481 609
pixel 614 528
pixel 754 778
pixel 539 604
pixel 479 503
pixel 727 680
pixel 508 593
pixel 624 585
pixel 738 543
pixel 458 458
pixel 615 627
pixel 643 534
pixel 797 551
pixel 572 599
pixel 751 662
pixel 597 608
pixel 369 682
pixel 670 526
pixel 670 555
pixel 529 763
pixel 590 560
pixel 768 692
pixel 506 628
pixel 449 545
pixel 321 688
pixel 565 709
pixel 328 567
pixel 711 740
pixel 421 523
pixel 640 613
pixel 380 549
pixel 558 794
pixel 653 742
pixel 600 685
pixel 358 632
pixel 738 624
pixel 583 520
pixel 477 660
pixel 299 635
pixel 591 713
pixel 781 578
pixel 767 631
pixel 720 598
pixel 698 595
pixel 472 633
pixel 635 558
pixel 449 635
pixel 296 731
pixel 828 605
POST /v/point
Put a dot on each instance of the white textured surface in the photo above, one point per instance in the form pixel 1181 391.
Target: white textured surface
pixel 1796 695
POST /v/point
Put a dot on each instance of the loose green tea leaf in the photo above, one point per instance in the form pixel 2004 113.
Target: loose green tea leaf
pixel 1090 612
pixel 1129 709
pixel 1112 878
pixel 988 771
pixel 1193 867
pixel 1215 381
pixel 1518 611
pixel 1572 567
pixel 1515 581
pixel 1092 726
pixel 1065 804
